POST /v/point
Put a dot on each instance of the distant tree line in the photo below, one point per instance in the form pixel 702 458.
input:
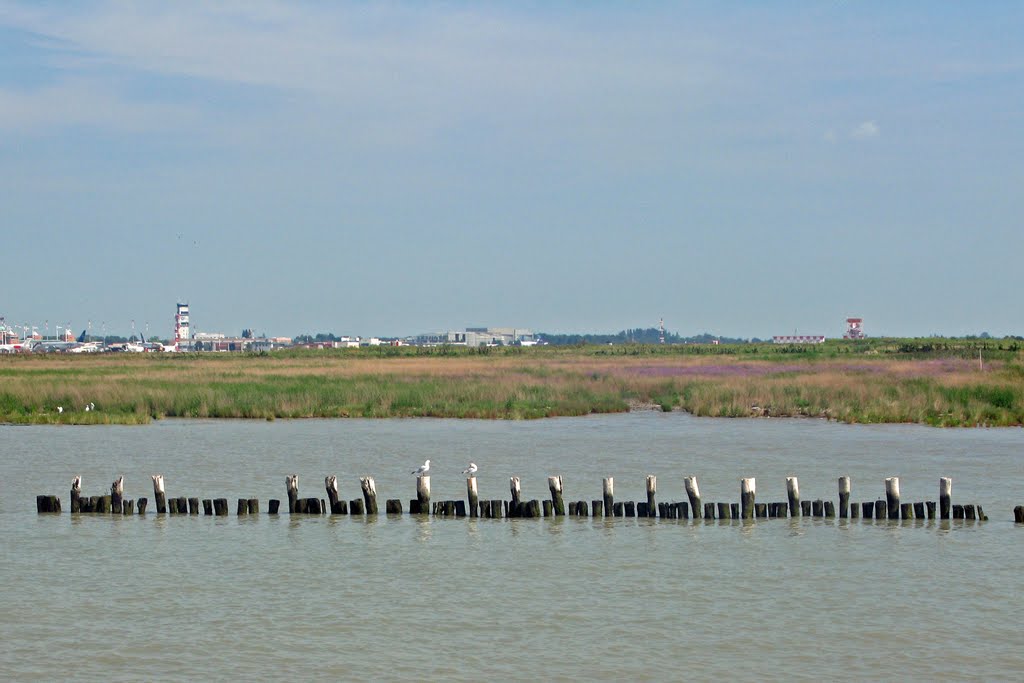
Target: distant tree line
pixel 650 335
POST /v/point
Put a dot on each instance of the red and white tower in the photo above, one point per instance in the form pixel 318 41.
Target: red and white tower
pixel 854 328
pixel 182 335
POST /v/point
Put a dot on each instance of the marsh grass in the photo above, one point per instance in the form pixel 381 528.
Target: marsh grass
pixel 935 388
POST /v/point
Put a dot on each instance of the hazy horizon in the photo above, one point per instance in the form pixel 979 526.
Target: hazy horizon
pixel 396 168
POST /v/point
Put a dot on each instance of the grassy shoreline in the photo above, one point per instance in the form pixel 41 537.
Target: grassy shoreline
pixel 934 382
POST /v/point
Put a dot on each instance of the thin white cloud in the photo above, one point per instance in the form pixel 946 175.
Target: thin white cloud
pixel 865 131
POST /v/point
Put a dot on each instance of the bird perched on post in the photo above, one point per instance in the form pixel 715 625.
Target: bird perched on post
pixel 471 469
pixel 423 469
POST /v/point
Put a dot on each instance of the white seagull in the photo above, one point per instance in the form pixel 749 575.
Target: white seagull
pixel 423 469
pixel 471 469
pixel 60 409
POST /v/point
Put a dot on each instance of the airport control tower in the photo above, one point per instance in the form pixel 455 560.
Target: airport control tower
pixel 182 336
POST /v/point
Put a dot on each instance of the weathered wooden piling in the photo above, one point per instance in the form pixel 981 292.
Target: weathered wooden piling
pixel 683 512
pixel 355 507
pixel 423 494
pixel 793 493
pixel 515 488
pixel 193 506
pixel 930 504
pixel 273 506
pixel 652 490
pixel 982 517
pixel 496 508
pixel 220 507
pixel 127 507
pixel 869 509
pixel 254 506
pixel 473 495
pixel 608 495
pixel 906 510
pixel 182 505
pixel 617 509
pixel 805 509
pixel 629 509
pixel 598 507
pixel 969 512
pixel 1018 514
pixel 818 508
pixel 844 497
pixel 142 505
pixel 76 494
pixel 761 510
pixel 830 508
pixel 549 508
pixel 581 508
pixel 331 486
pixel 734 510
pixel 880 509
pixel 369 487
pixel 158 494
pixel 723 511
pixel 945 496
pixel 958 512
pixel 208 506
pixel 709 510
pixel 392 506
pixel 117 493
pixel 693 493
pixel 555 487
pixel 854 510
pixel 172 506
pixel 47 504
pixel 919 510
pixel 243 507
pixel 291 483
pixel 748 488
pixel 892 497
pixel 460 508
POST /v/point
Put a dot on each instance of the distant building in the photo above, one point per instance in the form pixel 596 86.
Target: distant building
pixel 182 335
pixel 854 328
pixel 799 339
pixel 478 336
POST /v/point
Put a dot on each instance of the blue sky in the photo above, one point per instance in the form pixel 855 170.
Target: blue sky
pixel 744 169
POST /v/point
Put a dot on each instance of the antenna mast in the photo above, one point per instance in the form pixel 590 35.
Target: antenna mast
pixel 661 330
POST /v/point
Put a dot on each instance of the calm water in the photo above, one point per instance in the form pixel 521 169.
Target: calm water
pixel 402 598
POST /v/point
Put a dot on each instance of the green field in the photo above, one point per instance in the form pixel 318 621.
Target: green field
pixel 940 382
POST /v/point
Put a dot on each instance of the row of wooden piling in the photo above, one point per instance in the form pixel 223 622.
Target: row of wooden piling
pixel 891 507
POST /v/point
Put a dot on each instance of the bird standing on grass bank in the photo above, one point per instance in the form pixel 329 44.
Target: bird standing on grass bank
pixel 471 470
pixel 60 409
pixel 423 469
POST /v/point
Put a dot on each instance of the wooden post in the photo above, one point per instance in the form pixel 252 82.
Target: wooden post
pixel 830 508
pixel 652 489
pixel 172 506
pixel 748 488
pixel 818 508
pixel 355 507
pixel 76 494
pixel 291 483
pixel 254 506
pixel 598 506
pixel 854 510
pixel 273 506
pixel 761 510
pixel 969 512
pixel 220 506
pixel 473 495
pixel 918 510
pixel 880 509
pixel 331 485
pixel 805 508
pixel 423 493
pixel 793 491
pixel 393 506
pixel 549 508
pixel 193 506
pixel 608 494
pixel 158 494
pixel 516 490
pixel 709 510
pixel 142 505
pixel 930 504
pixel 182 505
pixel 555 486
pixel 128 507
pixel 581 508
pixel 617 509
pixel 869 509
pixel 892 497
pixel 369 494
pixel 945 496
pixel 906 511
pixel 844 496
pixel 682 511
pixel 243 507
pixel 47 504
pixel 208 507
pixel 496 508
pixel 1018 514
pixel 693 493
pixel 958 512
pixel 117 493
pixel 723 511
